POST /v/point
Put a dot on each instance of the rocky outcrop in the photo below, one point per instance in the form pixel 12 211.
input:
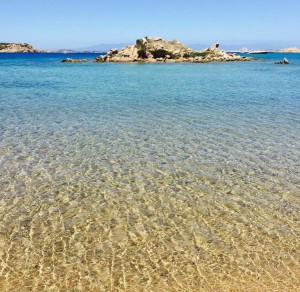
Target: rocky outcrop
pixel 156 49
pixel 70 60
pixel 285 61
pixel 212 48
pixel 16 48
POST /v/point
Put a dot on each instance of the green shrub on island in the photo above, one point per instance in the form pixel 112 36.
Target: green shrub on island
pixel 3 45
pixel 196 54
pixel 142 54
pixel 161 54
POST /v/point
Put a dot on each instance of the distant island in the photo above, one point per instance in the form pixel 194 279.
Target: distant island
pixel 289 50
pixel 60 51
pixel 286 50
pixel 156 49
pixel 69 51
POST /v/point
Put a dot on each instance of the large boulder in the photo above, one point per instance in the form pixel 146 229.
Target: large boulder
pixel 157 43
pixel 213 48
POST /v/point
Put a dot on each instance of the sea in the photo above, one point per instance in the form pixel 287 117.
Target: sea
pixel 149 177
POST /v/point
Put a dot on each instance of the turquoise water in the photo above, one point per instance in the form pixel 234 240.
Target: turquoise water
pixel 149 176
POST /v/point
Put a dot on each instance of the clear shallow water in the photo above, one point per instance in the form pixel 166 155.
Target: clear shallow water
pixel 149 177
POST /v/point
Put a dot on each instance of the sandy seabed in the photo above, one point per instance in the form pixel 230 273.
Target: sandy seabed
pixel 145 235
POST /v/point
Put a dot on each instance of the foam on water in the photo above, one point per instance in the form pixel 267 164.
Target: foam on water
pixel 154 177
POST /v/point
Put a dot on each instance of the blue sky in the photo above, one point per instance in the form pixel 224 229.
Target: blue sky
pixel 75 24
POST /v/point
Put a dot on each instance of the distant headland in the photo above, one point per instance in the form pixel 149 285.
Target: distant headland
pixel 17 48
pixel 27 48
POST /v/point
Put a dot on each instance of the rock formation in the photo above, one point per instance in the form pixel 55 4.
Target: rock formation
pixel 16 48
pixel 69 60
pixel 285 61
pixel 156 49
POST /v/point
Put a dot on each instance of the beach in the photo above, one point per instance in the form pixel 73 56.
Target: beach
pixel 149 177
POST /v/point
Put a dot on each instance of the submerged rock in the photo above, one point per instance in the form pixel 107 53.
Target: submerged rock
pixel 69 60
pixel 156 49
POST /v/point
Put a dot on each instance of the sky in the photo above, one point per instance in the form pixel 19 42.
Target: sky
pixel 55 24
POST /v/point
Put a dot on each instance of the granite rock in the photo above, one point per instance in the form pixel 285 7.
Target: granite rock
pixel 156 49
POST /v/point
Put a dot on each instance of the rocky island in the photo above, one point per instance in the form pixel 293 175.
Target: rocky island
pixel 156 49
pixel 289 50
pixel 17 48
